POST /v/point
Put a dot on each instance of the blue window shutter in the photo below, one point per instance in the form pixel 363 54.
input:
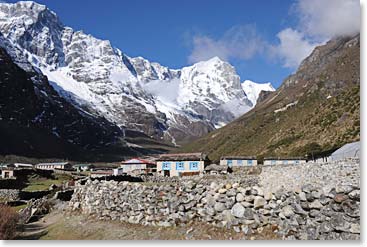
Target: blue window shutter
pixel 194 166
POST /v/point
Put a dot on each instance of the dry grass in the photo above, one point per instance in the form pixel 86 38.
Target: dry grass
pixel 8 222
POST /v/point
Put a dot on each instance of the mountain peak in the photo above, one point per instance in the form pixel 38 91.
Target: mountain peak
pixel 253 89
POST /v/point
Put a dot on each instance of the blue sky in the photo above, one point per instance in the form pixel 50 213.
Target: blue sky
pixel 263 39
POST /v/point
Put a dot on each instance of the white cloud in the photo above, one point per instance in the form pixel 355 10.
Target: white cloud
pixel 325 19
pixel 318 21
pixel 239 42
pixel 293 48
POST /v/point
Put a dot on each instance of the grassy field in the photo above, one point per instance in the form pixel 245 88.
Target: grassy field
pixel 20 207
pixel 36 184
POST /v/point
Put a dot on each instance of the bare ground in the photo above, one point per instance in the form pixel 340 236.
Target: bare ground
pixel 59 226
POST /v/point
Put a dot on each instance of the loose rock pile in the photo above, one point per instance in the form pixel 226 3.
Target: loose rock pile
pixel 324 175
pixel 9 195
pixel 308 213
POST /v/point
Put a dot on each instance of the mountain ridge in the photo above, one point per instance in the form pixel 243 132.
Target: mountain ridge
pixel 313 112
pixel 102 80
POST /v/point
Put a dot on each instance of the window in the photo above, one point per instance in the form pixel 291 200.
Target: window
pixel 297 162
pixel 194 166
pixel 286 162
pixel 240 162
pixel 166 166
pixel 180 166
pixel 273 162
pixel 230 163
pixel 250 162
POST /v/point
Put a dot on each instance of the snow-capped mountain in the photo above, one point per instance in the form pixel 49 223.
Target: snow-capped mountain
pixel 253 89
pixel 134 93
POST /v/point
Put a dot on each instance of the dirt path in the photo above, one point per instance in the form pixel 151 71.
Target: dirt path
pixel 59 226
pixel 35 230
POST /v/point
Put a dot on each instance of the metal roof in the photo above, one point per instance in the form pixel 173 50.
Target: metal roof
pixel 136 161
pixel 284 158
pixel 182 157
pixel 238 158
pixel 350 150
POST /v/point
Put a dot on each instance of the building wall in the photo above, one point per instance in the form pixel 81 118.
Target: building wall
pixel 131 167
pixel 283 162
pixel 52 167
pixel 177 167
pixel 234 163
pixel 7 174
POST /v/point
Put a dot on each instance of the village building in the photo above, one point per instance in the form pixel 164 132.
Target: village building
pixel 183 164
pixel 238 161
pixel 138 166
pixel 54 166
pixel 118 171
pixel 83 167
pixel 101 173
pixel 23 166
pixel 271 161
pixel 7 173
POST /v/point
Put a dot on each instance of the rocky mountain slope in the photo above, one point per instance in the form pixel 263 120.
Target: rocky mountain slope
pixel 315 110
pixel 36 122
pixel 175 106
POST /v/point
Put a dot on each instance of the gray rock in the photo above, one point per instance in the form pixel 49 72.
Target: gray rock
pixel 219 207
pixel 351 208
pixel 287 211
pixel 355 195
pixel 240 197
pixel 247 204
pixel 344 189
pixel 308 188
pixel 268 196
pixel 248 214
pixel 315 204
pixel 325 227
pixel 259 202
pixel 238 210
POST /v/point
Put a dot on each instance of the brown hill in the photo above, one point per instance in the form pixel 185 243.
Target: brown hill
pixel 313 112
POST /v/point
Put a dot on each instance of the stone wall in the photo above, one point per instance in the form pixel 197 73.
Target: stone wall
pixel 309 213
pixel 15 195
pixel 325 175
pixel 9 195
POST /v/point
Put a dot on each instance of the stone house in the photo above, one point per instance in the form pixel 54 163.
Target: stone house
pixel 138 166
pixel 271 161
pixel 238 161
pixel 54 166
pixel 183 164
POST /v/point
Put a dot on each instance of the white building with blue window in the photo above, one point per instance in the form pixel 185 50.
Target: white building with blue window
pixel 238 161
pixel 283 161
pixel 184 164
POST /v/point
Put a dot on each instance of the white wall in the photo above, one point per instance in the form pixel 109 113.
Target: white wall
pixel 173 167
pixel 236 163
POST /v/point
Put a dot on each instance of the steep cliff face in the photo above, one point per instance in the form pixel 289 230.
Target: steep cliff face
pixel 314 111
pixel 102 80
